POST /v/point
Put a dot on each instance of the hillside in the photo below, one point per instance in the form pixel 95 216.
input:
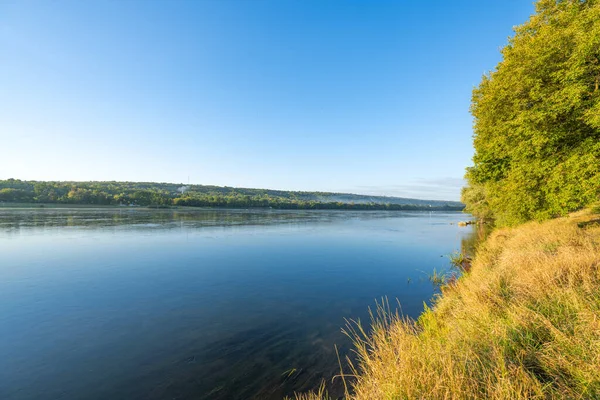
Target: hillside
pixel 172 194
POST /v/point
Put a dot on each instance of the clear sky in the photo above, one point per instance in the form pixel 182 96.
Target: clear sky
pixel 352 96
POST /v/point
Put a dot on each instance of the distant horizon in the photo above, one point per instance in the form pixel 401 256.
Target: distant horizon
pixel 229 186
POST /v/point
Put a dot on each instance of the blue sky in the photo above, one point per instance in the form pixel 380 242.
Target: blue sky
pixel 351 96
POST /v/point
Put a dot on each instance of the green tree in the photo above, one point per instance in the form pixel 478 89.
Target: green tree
pixel 537 119
pixel 14 195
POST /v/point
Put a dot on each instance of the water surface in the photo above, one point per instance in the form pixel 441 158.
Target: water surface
pixel 200 304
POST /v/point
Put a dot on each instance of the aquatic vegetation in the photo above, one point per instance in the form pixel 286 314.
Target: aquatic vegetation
pixel 459 260
pixel 439 278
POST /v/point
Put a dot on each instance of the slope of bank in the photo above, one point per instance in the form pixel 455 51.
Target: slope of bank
pixel 523 323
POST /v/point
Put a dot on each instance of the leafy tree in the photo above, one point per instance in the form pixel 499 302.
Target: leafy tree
pixel 14 195
pixel 537 119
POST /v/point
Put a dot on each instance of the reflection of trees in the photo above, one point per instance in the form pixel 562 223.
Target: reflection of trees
pixel 144 219
pixel 140 219
pixel 151 219
pixel 469 243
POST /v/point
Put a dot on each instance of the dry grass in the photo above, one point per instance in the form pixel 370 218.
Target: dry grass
pixel 523 323
pixel 320 394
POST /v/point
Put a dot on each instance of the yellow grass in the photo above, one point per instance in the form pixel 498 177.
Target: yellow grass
pixel 524 323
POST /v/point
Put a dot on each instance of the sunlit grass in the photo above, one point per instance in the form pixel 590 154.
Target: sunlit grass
pixel 523 323
pixel 320 394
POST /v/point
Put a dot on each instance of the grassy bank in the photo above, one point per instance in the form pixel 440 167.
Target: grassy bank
pixel 523 323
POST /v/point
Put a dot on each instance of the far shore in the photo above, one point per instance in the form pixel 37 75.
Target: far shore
pixel 136 207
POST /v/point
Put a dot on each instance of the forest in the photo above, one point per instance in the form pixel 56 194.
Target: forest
pixel 150 194
pixel 537 119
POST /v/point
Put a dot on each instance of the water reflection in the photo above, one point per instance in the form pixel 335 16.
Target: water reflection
pixel 206 304
pixel 478 234
pixel 132 218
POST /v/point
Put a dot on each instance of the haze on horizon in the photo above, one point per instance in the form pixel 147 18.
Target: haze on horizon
pixel 336 96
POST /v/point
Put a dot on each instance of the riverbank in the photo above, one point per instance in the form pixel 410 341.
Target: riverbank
pixel 165 195
pixel 523 323
pixel 282 207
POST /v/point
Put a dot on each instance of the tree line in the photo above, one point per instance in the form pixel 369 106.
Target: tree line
pixel 537 119
pixel 167 195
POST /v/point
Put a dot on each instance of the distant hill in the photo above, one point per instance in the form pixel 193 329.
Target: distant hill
pixel 319 196
pixel 362 199
pixel 177 194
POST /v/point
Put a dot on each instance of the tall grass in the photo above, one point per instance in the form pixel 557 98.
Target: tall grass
pixel 522 323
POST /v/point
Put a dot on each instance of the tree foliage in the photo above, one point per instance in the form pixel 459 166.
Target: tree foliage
pixel 537 119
